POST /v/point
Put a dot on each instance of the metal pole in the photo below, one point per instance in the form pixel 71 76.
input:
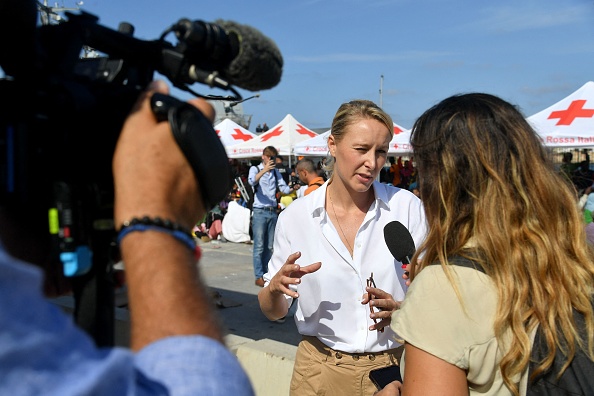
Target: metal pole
pixel 381 92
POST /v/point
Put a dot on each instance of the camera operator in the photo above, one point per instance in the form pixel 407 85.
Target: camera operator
pixel 177 345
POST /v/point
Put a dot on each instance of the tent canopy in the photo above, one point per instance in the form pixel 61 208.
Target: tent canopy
pixel 400 143
pixel 569 122
pixel 283 136
pixel 318 145
pixel 232 133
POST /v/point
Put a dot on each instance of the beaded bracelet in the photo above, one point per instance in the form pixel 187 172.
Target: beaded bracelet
pixel 146 223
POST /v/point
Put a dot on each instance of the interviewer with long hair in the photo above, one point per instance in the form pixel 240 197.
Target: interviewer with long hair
pixel 495 203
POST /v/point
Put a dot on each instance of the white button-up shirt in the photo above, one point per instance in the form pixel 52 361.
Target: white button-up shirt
pixel 329 305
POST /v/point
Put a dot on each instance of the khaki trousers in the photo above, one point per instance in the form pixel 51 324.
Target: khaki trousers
pixel 320 370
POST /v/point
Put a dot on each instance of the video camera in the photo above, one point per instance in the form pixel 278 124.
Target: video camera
pixel 61 113
pixel 294 181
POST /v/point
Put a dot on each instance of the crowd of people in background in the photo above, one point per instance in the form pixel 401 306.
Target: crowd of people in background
pixel 581 177
pixel 304 176
pixel 400 173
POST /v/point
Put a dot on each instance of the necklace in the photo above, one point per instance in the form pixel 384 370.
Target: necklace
pixel 339 226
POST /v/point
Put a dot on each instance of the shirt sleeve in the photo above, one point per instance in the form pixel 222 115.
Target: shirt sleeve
pixel 252 176
pixel 433 319
pixel 43 352
pixel 193 365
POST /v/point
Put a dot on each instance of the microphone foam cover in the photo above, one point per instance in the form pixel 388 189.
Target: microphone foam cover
pixel 259 62
pixel 399 241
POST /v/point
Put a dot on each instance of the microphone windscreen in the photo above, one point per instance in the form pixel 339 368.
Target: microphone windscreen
pixel 259 63
pixel 399 241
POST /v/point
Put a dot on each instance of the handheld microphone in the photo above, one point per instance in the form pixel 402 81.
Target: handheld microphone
pixel 401 245
pixel 399 241
pixel 242 54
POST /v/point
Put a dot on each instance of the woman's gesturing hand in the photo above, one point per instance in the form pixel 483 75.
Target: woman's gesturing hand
pixel 291 274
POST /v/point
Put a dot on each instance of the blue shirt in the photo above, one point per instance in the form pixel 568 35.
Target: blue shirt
pixel 42 352
pixel 265 188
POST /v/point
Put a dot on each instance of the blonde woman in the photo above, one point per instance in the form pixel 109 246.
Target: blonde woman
pixel 326 247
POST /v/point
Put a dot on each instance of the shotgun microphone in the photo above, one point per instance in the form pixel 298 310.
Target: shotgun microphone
pixel 242 54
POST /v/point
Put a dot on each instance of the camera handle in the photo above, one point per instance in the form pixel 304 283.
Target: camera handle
pixel 200 144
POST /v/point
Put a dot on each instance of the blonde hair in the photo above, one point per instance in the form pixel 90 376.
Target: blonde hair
pixel 350 112
pixel 484 178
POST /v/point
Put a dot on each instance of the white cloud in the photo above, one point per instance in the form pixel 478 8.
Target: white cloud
pixel 530 17
pixel 352 57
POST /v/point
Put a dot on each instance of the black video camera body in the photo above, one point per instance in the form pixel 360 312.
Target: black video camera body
pixel 61 116
pixel 294 181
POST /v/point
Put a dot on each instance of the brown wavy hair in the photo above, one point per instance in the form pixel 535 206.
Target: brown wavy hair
pixel 486 182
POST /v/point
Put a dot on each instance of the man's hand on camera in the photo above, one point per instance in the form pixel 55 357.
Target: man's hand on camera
pixel 151 175
pixel 153 178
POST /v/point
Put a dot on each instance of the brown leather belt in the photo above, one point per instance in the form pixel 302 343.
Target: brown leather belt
pixel 323 348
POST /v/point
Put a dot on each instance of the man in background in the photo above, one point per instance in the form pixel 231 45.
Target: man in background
pixel 177 345
pixel 176 341
pixel 308 175
pixel 266 180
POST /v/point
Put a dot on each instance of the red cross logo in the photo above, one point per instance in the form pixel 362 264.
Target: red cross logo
pixel 397 130
pixel 239 135
pixel 575 110
pixel 304 131
pixel 275 132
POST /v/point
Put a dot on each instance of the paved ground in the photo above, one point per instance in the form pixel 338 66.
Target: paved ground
pixel 227 269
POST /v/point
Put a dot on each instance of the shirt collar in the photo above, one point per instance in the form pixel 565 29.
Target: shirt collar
pixel 381 194
pixel 319 197
pixel 320 180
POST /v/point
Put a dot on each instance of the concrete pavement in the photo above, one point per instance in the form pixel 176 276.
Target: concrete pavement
pixel 226 267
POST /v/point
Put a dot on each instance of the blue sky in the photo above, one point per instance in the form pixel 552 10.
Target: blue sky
pixel 532 53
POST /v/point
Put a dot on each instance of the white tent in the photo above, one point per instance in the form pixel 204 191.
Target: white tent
pixel 318 145
pixel 569 122
pixel 232 133
pixel 283 136
pixel 400 143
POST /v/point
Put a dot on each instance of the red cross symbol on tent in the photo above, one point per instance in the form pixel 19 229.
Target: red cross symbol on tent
pixel 275 132
pixel 397 131
pixel 239 135
pixel 304 131
pixel 575 110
